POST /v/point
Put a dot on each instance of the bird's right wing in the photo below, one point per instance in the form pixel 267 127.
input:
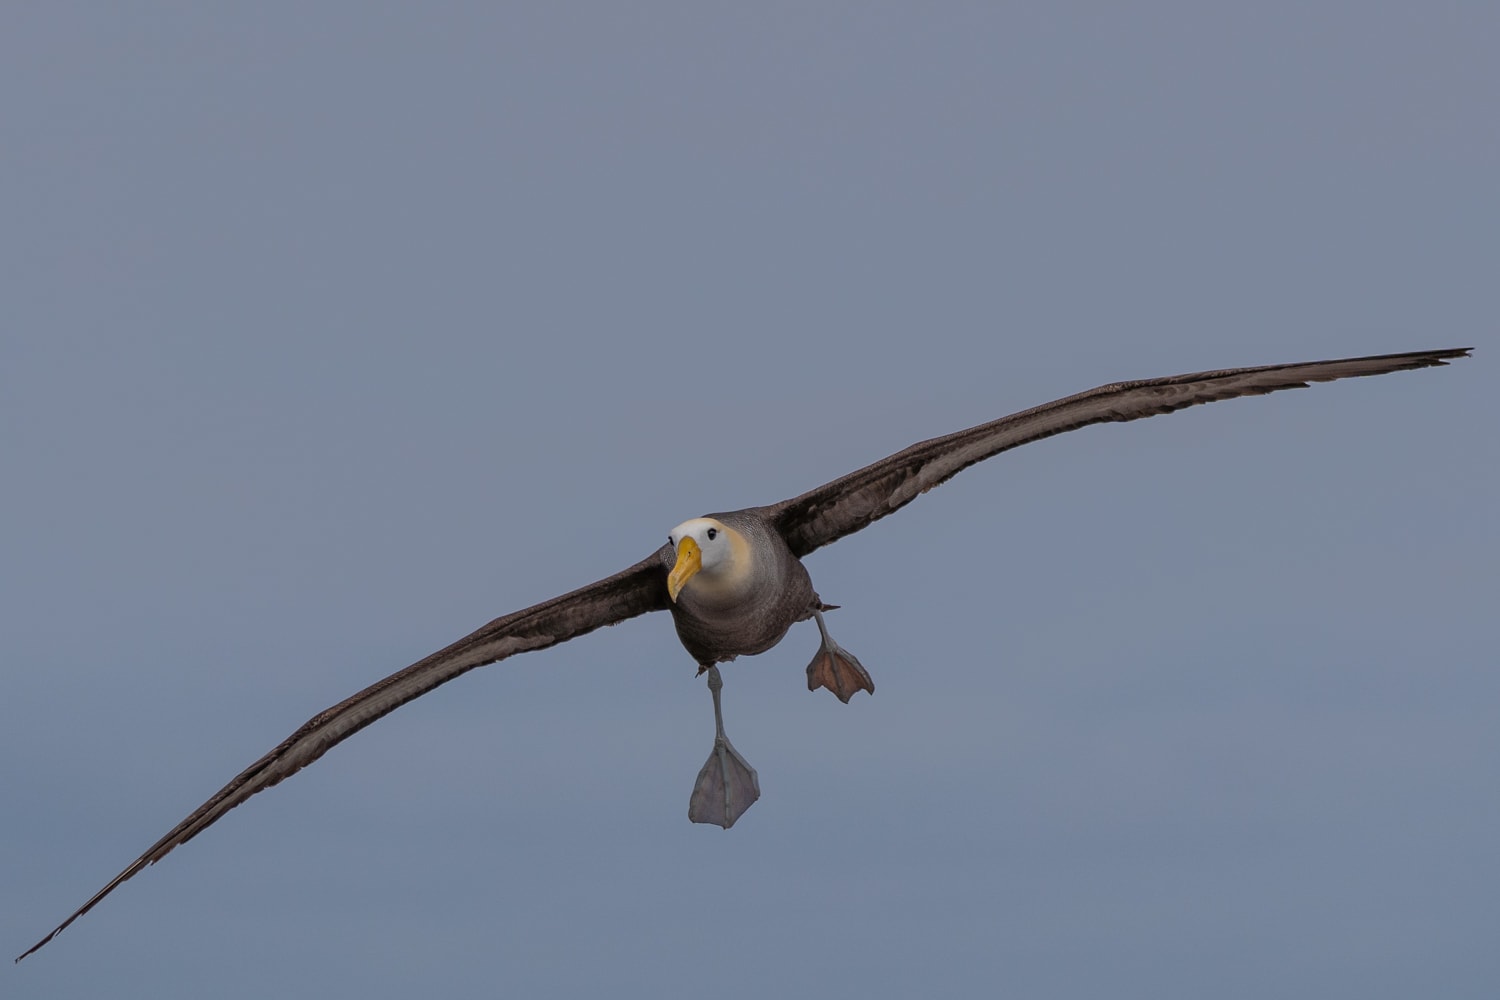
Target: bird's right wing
pixel 632 592
pixel 849 503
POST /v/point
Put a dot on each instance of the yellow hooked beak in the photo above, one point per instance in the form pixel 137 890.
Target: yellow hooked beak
pixel 689 561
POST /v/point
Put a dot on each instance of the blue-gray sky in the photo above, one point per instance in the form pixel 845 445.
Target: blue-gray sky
pixel 331 331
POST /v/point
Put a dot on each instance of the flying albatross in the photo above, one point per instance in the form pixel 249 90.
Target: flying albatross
pixel 735 584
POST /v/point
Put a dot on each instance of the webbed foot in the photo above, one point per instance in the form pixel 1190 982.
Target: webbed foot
pixel 727 785
pixel 837 669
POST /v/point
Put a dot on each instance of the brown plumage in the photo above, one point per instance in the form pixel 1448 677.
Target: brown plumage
pixel 746 603
pixel 753 615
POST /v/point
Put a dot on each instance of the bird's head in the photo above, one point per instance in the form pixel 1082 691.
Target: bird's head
pixel 708 551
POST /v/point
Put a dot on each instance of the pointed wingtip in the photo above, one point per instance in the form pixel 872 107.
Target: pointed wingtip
pixel 38 945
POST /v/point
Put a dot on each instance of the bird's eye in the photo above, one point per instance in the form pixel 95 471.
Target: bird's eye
pixel 713 533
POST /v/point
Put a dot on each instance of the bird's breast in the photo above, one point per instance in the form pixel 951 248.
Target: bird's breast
pixel 718 626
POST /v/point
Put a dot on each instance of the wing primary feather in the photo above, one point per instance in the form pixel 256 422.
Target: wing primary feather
pixel 845 505
pixel 629 593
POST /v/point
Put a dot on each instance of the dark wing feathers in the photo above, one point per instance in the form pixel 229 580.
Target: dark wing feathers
pixel 808 522
pixel 629 593
pixel 846 505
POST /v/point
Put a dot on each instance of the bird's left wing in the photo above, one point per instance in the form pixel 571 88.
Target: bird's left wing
pixel 631 592
pixel 842 507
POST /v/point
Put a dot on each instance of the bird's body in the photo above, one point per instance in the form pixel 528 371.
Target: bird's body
pixel 735 584
pixel 746 611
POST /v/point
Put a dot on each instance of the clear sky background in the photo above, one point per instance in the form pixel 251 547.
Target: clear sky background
pixel 331 331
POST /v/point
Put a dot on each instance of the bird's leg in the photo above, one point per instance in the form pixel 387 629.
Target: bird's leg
pixel 727 785
pixel 835 668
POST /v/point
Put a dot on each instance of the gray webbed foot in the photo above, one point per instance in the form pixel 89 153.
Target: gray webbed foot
pixel 727 785
pixel 835 668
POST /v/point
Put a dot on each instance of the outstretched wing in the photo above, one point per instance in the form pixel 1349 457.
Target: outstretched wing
pixel 846 505
pixel 632 592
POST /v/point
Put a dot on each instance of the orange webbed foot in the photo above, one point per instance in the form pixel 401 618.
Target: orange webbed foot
pixel 836 669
